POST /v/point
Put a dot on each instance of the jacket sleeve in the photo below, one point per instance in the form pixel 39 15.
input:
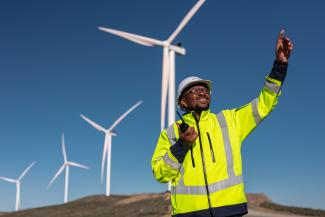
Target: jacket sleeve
pixel 247 117
pixel 167 158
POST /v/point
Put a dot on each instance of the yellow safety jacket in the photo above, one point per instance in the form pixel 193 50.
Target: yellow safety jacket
pixel 208 181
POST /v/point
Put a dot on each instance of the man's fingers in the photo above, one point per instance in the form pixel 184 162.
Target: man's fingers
pixel 191 133
pixel 281 35
pixel 282 31
pixel 196 135
pixel 191 130
pixel 290 46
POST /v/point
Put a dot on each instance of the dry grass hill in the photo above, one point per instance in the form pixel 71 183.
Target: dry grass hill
pixel 150 205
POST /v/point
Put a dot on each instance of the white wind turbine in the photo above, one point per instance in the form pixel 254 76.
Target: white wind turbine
pixel 108 144
pixel 18 183
pixel 66 164
pixel 168 67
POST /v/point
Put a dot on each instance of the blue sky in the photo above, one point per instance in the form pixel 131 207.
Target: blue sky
pixel 56 65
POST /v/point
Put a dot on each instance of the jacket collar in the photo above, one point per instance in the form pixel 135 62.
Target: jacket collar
pixel 189 118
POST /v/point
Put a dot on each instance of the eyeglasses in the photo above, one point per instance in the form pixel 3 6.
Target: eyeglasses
pixel 197 90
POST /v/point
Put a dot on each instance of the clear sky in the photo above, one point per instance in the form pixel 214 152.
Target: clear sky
pixel 56 65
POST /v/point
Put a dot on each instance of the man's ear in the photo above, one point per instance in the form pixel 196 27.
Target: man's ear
pixel 183 104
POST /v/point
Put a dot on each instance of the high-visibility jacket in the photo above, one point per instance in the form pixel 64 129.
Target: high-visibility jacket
pixel 206 178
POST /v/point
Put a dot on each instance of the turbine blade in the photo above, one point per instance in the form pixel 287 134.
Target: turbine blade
pixel 95 125
pixel 56 175
pixel 146 41
pixel 7 179
pixel 164 87
pixel 185 20
pixel 63 149
pixel 26 170
pixel 123 116
pixel 74 164
pixel 105 148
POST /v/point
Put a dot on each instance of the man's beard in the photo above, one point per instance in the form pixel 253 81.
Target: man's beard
pixel 199 109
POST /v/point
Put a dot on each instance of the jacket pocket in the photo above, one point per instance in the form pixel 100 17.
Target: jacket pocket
pixel 192 157
pixel 211 149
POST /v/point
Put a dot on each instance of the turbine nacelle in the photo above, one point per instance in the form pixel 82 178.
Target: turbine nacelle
pixel 113 133
pixel 73 164
pixel 178 49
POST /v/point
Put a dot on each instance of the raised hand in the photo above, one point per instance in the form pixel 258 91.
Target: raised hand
pixel 283 48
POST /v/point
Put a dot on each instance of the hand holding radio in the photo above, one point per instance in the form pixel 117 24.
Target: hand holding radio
pixel 187 135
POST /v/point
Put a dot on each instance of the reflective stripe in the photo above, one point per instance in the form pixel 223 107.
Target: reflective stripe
pixel 214 187
pixel 226 141
pixel 272 86
pixel 181 180
pixel 171 162
pixel 256 115
pixel 235 180
pixel 194 190
pixel 171 134
pixel 220 185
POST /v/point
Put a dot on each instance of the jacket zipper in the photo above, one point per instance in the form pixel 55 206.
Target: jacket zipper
pixel 203 164
pixel 211 149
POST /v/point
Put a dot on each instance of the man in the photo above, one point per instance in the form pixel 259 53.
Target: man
pixel 204 163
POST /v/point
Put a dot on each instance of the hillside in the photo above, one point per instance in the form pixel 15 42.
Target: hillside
pixel 149 205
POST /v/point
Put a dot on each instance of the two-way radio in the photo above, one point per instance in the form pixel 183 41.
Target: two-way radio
pixel 183 126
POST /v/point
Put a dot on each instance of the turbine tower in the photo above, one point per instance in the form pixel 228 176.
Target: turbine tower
pixel 18 183
pixel 66 165
pixel 108 144
pixel 168 66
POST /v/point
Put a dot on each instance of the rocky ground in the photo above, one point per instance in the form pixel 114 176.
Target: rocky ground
pixel 144 205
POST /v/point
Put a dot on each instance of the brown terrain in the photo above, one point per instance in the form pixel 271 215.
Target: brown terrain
pixel 151 205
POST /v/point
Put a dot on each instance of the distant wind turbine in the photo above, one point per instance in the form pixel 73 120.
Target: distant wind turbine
pixel 168 67
pixel 18 183
pixel 108 144
pixel 66 164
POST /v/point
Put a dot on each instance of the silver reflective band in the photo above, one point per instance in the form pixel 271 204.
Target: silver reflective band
pixel 272 86
pixel 214 187
pixel 170 162
pixel 181 180
pixel 235 180
pixel 217 186
pixel 226 141
pixel 256 115
pixel 171 134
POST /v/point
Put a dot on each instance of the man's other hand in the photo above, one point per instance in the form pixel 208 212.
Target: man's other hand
pixel 283 48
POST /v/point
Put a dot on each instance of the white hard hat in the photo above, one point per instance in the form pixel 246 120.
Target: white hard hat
pixel 189 81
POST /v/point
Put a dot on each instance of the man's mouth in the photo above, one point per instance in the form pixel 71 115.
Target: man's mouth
pixel 202 99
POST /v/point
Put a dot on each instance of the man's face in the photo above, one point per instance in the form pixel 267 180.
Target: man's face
pixel 197 98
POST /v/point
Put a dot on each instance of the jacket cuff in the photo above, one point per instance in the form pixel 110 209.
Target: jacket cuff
pixel 279 71
pixel 179 151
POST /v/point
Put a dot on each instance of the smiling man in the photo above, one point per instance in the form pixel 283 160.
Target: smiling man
pixel 204 163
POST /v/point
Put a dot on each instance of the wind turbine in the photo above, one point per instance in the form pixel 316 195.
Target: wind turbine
pixel 66 164
pixel 18 183
pixel 168 67
pixel 107 144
